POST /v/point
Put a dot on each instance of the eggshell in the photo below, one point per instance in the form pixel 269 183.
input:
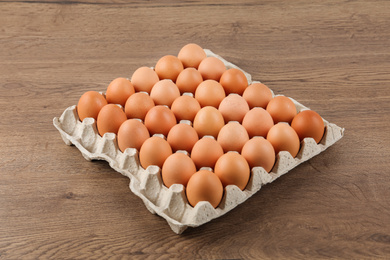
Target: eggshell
pixel 185 108
pixel 282 109
pixel 182 137
pixel 208 121
pixel 257 95
pixel 234 81
pixel 206 152
pixel 259 152
pixel 154 151
pixel 168 67
pixel 308 123
pixel 138 105
pixel 177 169
pixel 110 118
pixel 159 120
pixel 233 108
pixel 211 68
pixel 191 55
pixel 210 93
pixel 204 185
pixel 132 134
pixel 284 138
pixel 257 122
pixel 164 92
pixel 188 80
pixel 143 79
pixel 119 90
pixel 232 137
pixel 89 105
pixel 233 169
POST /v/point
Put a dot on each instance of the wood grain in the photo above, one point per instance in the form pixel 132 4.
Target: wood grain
pixel 333 56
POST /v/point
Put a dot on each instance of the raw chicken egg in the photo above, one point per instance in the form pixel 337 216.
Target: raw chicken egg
pixel 159 120
pixel 132 134
pixel 119 90
pixel 232 169
pixel 168 67
pixel 282 109
pixel 284 138
pixel 89 105
pixel 185 108
pixel 177 169
pixel 110 118
pixel 138 105
pixel 234 81
pixel 257 122
pixel 211 68
pixel 154 151
pixel 208 121
pixel 259 152
pixel 233 108
pixel 232 137
pixel 182 137
pixel 191 55
pixel 188 80
pixel 164 92
pixel 210 93
pixel 204 185
pixel 206 152
pixel 257 95
pixel 143 79
pixel 308 123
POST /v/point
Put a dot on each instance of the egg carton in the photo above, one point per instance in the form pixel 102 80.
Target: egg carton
pixel 171 203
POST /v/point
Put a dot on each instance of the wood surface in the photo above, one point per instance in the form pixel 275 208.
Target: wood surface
pixel 332 56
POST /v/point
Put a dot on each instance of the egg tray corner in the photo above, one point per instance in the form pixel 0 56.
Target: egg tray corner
pixel 171 203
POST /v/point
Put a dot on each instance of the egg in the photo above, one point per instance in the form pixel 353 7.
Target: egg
pixel 159 120
pixel 282 109
pixel 234 81
pixel 177 169
pixel 138 105
pixel 204 185
pixel 259 152
pixel 210 93
pixel 154 151
pixel 188 80
pixel 185 107
pixel 208 121
pixel 257 95
pixel 191 55
pixel 110 118
pixel 119 90
pixel 168 67
pixel 308 123
pixel 89 105
pixel 132 134
pixel 257 122
pixel 232 137
pixel 211 68
pixel 232 169
pixel 182 137
pixel 284 138
pixel 164 92
pixel 206 152
pixel 143 79
pixel 233 108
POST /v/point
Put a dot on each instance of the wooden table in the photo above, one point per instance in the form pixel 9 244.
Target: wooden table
pixel 332 56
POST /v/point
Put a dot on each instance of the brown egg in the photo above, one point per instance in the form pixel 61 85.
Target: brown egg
pixel 234 81
pixel 185 108
pixel 182 137
pixel 206 152
pixel 188 80
pixel 282 109
pixel 119 90
pixel 89 105
pixel 210 93
pixel 284 138
pixel 132 134
pixel 211 68
pixel 257 122
pixel 204 185
pixel 177 169
pixel 143 79
pixel 164 92
pixel 259 152
pixel 154 151
pixel 232 137
pixel 159 120
pixel 232 169
pixel 168 67
pixel 191 55
pixel 257 95
pixel 208 121
pixel 308 123
pixel 110 118
pixel 138 105
pixel 233 108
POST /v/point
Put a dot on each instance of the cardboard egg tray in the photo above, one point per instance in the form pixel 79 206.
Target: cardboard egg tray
pixel 171 203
